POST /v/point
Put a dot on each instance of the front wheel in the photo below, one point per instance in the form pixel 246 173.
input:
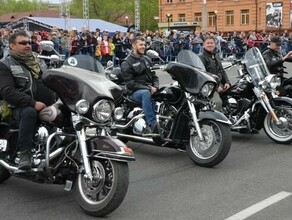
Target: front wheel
pixel 215 145
pixel 4 174
pixel 280 133
pixel 103 194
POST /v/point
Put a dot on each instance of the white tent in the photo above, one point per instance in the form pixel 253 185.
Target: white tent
pixel 29 23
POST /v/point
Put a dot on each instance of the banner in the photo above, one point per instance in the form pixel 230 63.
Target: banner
pixel 274 14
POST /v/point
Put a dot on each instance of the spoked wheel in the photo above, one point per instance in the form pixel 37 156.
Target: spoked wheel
pixel 103 194
pixel 215 144
pixel 282 132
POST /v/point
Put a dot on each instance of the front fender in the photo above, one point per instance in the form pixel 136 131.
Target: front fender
pixel 282 100
pixel 214 115
pixel 109 148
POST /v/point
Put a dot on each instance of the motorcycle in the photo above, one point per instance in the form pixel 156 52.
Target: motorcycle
pixel 65 150
pixel 185 117
pixel 252 102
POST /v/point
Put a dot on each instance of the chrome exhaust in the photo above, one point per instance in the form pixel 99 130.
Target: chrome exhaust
pixel 136 138
pixel 8 167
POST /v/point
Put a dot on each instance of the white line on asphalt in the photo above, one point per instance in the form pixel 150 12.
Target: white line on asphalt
pixel 259 206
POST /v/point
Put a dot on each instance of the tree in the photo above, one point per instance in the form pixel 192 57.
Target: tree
pixel 116 10
pixel 21 6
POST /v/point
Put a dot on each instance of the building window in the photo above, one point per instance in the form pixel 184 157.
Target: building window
pixel 229 18
pixel 181 0
pixel 168 1
pixel 212 19
pixel 260 16
pixel 244 17
pixel 181 17
pixel 198 17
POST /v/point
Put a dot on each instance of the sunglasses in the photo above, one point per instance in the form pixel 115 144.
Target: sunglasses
pixel 24 43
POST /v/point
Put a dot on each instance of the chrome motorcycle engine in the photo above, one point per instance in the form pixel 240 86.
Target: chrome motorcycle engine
pixel 231 105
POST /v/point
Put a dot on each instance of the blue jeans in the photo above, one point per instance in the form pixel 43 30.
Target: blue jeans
pixel 144 96
pixel 27 119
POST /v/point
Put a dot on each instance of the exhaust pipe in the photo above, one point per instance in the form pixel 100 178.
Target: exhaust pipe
pixel 136 138
pixel 8 167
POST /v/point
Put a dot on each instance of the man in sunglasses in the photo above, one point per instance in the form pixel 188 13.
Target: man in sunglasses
pixel 20 87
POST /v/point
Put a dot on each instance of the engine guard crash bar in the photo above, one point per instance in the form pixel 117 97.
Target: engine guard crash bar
pixel 14 169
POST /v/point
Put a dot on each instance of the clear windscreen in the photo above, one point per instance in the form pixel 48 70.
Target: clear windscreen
pixel 256 65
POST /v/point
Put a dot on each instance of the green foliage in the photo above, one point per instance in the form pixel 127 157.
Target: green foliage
pixel 116 10
pixel 20 6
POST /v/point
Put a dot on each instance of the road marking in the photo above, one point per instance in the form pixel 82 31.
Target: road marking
pixel 259 206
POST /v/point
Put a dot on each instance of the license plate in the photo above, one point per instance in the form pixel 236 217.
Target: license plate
pixel 3 145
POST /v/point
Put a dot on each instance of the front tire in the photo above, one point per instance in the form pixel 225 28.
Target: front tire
pixel 106 192
pixel 4 174
pixel 281 135
pixel 215 146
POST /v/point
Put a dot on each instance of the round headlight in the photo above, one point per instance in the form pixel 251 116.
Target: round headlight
pixel 102 110
pixel 275 82
pixel 82 106
pixel 118 113
pixel 207 89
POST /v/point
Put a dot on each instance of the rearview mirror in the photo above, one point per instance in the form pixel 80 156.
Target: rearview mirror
pixel 47 45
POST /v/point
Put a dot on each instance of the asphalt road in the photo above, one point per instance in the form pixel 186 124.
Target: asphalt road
pixel 253 182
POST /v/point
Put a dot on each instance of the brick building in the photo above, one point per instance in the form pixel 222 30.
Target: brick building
pixel 225 15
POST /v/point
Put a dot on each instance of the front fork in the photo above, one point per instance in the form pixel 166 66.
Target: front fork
pixel 81 135
pixel 194 116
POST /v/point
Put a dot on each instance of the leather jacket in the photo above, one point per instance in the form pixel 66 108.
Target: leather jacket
pixel 274 61
pixel 136 71
pixel 213 65
pixel 17 85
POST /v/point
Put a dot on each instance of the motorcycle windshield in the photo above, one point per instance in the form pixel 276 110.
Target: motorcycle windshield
pixel 72 84
pixel 85 62
pixel 256 65
pixel 189 72
pixel 189 58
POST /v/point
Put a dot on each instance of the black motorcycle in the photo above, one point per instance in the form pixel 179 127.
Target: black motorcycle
pixel 185 116
pixel 66 150
pixel 252 103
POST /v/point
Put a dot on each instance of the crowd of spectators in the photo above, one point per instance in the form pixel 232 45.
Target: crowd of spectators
pixel 105 46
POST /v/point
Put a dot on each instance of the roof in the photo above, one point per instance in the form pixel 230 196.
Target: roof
pixel 76 23
pixel 13 16
pixel 79 24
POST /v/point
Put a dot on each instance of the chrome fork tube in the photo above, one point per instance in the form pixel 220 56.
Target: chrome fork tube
pixel 194 116
pixel 84 153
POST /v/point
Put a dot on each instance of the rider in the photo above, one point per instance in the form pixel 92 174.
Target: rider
pixel 275 60
pixel 141 82
pixel 21 88
pixel 213 65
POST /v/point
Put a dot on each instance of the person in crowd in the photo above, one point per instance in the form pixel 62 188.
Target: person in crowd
pixel 34 44
pixel 119 54
pixel 65 42
pixel 111 47
pixel 213 65
pixel 5 43
pixel 197 43
pixel 141 82
pixel 105 50
pixel 21 87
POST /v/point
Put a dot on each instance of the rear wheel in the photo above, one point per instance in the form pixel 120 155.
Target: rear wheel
pixel 103 194
pixel 215 145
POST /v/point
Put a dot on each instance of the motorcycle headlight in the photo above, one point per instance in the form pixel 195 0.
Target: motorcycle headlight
pixel 118 113
pixel 82 106
pixel 102 110
pixel 272 81
pixel 207 89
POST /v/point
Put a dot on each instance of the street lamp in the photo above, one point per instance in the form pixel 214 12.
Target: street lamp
pixel 168 19
pixel 127 20
pixel 215 12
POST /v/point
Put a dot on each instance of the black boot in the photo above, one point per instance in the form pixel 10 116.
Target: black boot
pixel 24 161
